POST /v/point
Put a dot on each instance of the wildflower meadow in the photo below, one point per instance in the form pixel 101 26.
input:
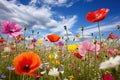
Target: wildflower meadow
pixel 56 57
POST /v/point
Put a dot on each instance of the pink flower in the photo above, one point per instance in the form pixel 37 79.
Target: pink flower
pixel 88 46
pixel 11 28
pixel 107 77
pixel 59 43
pixel 31 46
pixel 112 52
pixel 4 44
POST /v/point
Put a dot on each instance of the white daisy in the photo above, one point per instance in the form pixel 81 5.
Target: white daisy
pixel 111 63
pixel 7 49
pixel 53 72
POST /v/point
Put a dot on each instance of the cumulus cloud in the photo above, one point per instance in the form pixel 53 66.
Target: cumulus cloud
pixel 106 27
pixel 34 17
pixel 59 3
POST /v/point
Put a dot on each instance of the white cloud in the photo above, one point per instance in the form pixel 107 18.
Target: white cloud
pixel 93 28
pixel 88 0
pixel 55 2
pixel 66 3
pixel 69 22
pixel 34 17
pixel 116 18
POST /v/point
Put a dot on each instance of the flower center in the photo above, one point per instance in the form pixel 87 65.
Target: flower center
pixel 11 31
pixel 26 68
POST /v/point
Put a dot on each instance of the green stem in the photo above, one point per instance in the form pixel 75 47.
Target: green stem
pixel 82 36
pixel 9 75
pixel 7 40
pixel 99 31
pixel 54 78
pixel 66 39
pixel 24 37
pixel 23 78
pixel 59 78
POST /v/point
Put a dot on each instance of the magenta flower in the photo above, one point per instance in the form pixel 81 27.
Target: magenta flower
pixel 112 52
pixel 11 28
pixel 59 43
pixel 34 40
pixel 88 46
pixel 107 77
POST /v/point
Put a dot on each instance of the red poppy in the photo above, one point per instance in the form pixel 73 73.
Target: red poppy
pixel 107 76
pixel 111 36
pixel 78 55
pixel 53 37
pixel 26 63
pixel 37 75
pixel 13 48
pixel 19 37
pixel 97 15
pixel 2 40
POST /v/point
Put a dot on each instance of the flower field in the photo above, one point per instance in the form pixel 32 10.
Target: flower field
pixel 55 58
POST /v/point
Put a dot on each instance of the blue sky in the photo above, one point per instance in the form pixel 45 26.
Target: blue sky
pixel 49 16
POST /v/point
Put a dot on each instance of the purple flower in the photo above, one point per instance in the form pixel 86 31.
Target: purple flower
pixel 10 68
pixel 60 43
pixel 2 76
pixel 34 40
pixel 11 28
pixel 60 68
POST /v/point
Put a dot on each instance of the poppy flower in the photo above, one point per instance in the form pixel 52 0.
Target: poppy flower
pixel 53 37
pixel 60 43
pixel 78 55
pixel 11 28
pixel 26 63
pixel 97 15
pixel 37 75
pixel 107 76
pixel 2 40
pixel 112 36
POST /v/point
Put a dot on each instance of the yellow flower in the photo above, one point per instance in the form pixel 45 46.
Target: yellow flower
pixel 71 77
pixel 56 62
pixel 72 47
pixel 40 42
pixel 51 56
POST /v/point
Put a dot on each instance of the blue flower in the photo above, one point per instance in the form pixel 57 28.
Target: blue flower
pixel 10 68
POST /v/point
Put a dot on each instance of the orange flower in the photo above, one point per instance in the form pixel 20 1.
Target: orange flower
pixel 77 35
pixel 2 40
pixel 53 37
pixel 97 15
pixel 26 63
